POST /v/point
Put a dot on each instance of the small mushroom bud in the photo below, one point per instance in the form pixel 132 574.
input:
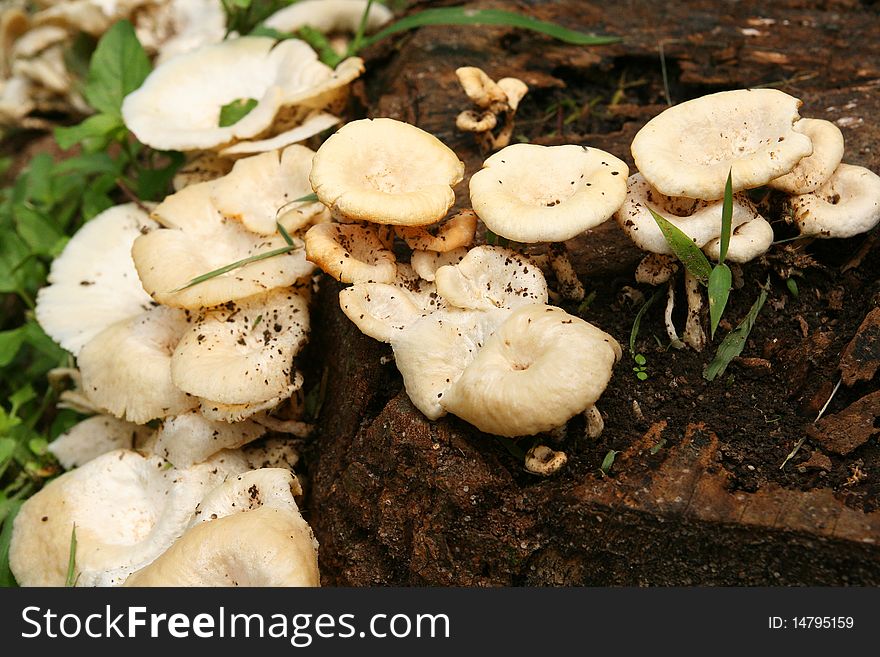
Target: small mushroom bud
pixel 542 460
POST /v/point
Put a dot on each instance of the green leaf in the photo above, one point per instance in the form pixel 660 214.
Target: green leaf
pixel 637 322
pixel 119 66
pixel 684 249
pixel 792 286
pixel 6 577
pixel 71 560
pixel 87 164
pixel 10 343
pixel 726 217
pixel 7 448
pixel 95 133
pixel 233 112
pixel 719 290
pixel 608 461
pixel 13 254
pixel 321 45
pixel 463 16
pixel 153 184
pixel 735 341
pixel 38 232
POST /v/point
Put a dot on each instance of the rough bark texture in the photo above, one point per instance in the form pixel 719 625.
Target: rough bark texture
pixel 396 499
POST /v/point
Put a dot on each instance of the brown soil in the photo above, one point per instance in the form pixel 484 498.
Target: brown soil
pixel 696 494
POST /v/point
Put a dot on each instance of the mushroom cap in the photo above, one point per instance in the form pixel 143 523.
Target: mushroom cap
pixel 699 220
pixel 200 167
pixel 747 241
pixel 242 353
pixel 183 26
pixel 530 193
pixel 95 436
pixel 329 16
pixel 265 487
pixel 491 277
pixel 814 170
pixel 191 438
pixel 127 510
pixel 93 283
pixel 219 412
pixel 260 189
pixel 386 171
pixel 542 460
pixel 313 124
pixel 515 89
pixel 273 73
pixel 689 149
pixel 351 253
pixel 540 368
pixel 426 263
pixel 263 547
pixel 200 240
pixel 473 121
pixel 454 233
pixel 847 204
pixel 126 369
pixel 483 91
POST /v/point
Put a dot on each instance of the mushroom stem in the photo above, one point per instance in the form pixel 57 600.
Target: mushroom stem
pixel 694 336
pixel 667 317
pixel 567 281
pixel 595 423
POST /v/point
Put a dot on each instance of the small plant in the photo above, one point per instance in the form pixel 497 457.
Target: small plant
pixel 641 362
pixel 640 369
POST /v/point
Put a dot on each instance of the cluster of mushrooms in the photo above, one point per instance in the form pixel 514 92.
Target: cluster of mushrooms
pixel 684 156
pixel 188 366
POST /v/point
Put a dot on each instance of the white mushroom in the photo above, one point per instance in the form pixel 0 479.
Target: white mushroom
pixel 126 369
pixel 747 242
pixel 542 460
pixel 191 438
pixel 531 193
pixel 814 170
pixel 127 510
pixel 93 283
pixel 846 205
pixel 454 233
pixel 95 436
pixel 426 263
pixel 198 240
pixel 313 124
pixel 541 367
pixel 385 171
pixel 285 73
pixel 242 353
pixel 329 16
pixel 351 253
pixel 689 149
pixel 261 190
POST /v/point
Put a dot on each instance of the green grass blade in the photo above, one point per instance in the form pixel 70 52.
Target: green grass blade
pixel 684 249
pixel 637 322
pixel 719 290
pixel 726 217
pixel 235 265
pixel 735 341
pixel 284 234
pixel 463 16
pixel 71 559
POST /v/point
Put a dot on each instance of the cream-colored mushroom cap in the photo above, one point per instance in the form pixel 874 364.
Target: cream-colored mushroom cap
pixel 847 204
pixel 329 16
pixel 242 353
pixel 747 241
pixel 126 369
pixel 93 283
pixel 127 509
pixel 313 124
pixel 454 233
pixel 264 487
pixel 351 253
pixel 95 436
pixel 699 220
pixel 483 91
pixel 199 240
pixel 689 149
pixel 180 26
pixel 814 170
pixel 385 171
pixel 261 190
pixel 530 193
pixel 191 438
pixel 491 277
pixel 273 73
pixel 540 368
pixel 219 412
pixel 426 263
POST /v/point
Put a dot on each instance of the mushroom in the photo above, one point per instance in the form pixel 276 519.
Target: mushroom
pixel 387 172
pixel 329 17
pixel 540 368
pixel 219 412
pixel 492 99
pixel 190 438
pixel 126 369
pixel 814 170
pixel 246 532
pixel 689 149
pixel 313 124
pixel 542 460
pixel 93 282
pixel 276 74
pixel 95 436
pixel 260 191
pixel 426 263
pixel 454 233
pixel 127 510
pixel 168 259
pixel 242 353
pixel 351 253
pixel 847 204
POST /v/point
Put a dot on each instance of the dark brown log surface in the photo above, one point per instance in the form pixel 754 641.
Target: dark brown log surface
pixel 396 499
